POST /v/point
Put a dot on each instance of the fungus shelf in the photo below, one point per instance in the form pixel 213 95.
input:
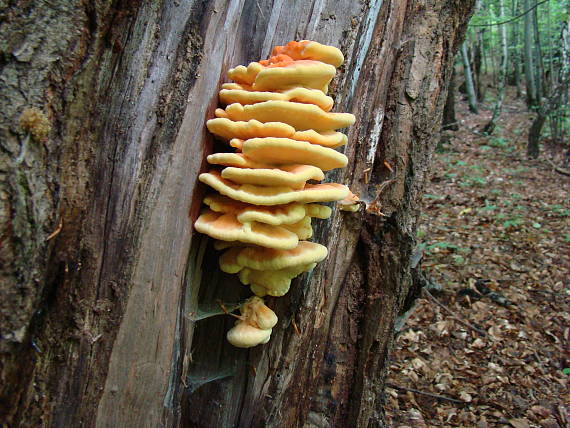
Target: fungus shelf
pixel 278 120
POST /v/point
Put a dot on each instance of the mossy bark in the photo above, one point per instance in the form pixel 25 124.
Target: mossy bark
pixel 101 272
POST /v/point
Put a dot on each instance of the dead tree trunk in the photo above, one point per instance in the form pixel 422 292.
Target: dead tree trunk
pixel 103 279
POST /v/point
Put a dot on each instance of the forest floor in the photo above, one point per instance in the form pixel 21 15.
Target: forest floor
pixel 496 230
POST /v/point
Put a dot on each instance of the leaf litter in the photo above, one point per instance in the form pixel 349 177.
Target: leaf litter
pixel 496 228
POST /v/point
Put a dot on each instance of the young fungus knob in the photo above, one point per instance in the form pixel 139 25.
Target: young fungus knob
pixel 256 313
pixel 244 335
pixel 350 203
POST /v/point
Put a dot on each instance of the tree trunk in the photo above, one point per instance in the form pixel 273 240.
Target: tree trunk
pixel 103 280
pixel 558 96
pixel 449 120
pixel 515 56
pixel 539 72
pixel 531 90
pixel 471 96
pixel 491 125
pixel 533 147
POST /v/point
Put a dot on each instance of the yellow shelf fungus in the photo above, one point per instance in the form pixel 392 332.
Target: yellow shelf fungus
pixel 272 282
pixel 293 176
pixel 261 195
pixel 226 227
pixel 275 215
pixel 307 49
pixel 278 119
pixel 330 139
pixel 270 271
pixel 284 151
pixel 287 74
pixel 298 115
pixel 297 95
pixel 227 129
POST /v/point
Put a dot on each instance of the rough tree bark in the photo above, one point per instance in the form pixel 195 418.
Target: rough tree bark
pixel 102 276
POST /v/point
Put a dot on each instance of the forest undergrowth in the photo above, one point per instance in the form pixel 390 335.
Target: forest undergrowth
pixel 489 348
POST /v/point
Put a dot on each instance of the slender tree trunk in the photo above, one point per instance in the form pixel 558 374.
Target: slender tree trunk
pixel 551 69
pixel 490 126
pixel 102 276
pixel 477 66
pixel 531 91
pixel 471 96
pixel 533 147
pixel 553 120
pixel 516 56
pixel 449 119
pixel 539 74
pixel 557 98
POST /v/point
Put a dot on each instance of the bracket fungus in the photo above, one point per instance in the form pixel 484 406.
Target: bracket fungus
pixel 278 120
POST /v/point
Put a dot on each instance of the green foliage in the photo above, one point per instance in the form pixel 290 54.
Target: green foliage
pixel 513 223
pixel 499 142
pixel 442 245
pixel 560 210
pixel 473 181
pixel 430 196
pixel 458 260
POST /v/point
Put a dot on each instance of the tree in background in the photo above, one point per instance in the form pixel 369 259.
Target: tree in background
pixel 103 280
pixel 490 126
pixel 538 54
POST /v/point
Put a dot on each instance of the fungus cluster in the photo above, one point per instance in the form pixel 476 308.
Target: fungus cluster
pixel 278 121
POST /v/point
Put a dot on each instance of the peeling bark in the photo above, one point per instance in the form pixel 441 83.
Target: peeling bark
pixel 97 321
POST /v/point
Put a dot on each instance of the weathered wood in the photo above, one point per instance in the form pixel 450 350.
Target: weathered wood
pixel 100 327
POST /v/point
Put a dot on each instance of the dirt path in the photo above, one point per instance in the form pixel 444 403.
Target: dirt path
pixel 497 232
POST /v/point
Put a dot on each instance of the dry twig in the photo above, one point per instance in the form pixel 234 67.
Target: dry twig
pixel 429 394
pixel 453 314
pixel 558 169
